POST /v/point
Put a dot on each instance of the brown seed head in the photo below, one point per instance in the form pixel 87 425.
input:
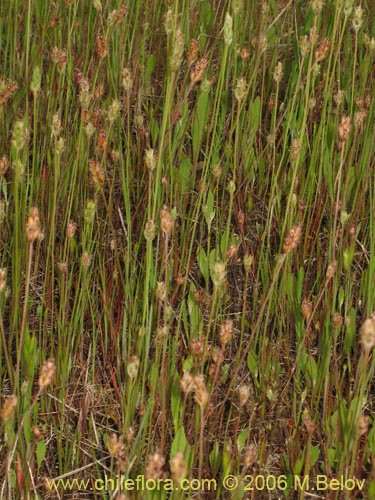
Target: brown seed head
pixel 47 373
pixel 193 51
pixel 166 220
pixel 154 468
pixel 243 394
pixel 226 332
pixel 306 309
pixel 345 127
pixel 331 269
pixel 101 46
pixel 245 54
pixel 250 455
pixel 3 281
pixel 363 425
pixel 198 69
pixel 367 334
pixel 97 173
pixel 322 51
pixel 113 445
pixel 8 408
pixel 59 57
pixel 292 240
pixel 187 383
pixel 33 226
pixel 71 229
pixel 4 165
pixel 178 468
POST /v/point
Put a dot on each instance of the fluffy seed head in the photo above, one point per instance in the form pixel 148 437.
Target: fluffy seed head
pixel 166 220
pixel 345 127
pixel 291 242
pixel 33 226
pixel 47 373
pixel 367 333
pixel 8 408
pixel 178 468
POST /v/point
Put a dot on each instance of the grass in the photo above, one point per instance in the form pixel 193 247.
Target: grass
pixel 187 247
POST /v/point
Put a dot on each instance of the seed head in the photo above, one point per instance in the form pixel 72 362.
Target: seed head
pixel 345 127
pixel 154 469
pixel 193 51
pixel 169 21
pixel 166 220
pixel 4 165
pixel 133 367
pixel 367 333
pixel 101 46
pixel 363 425
pixel 86 259
pixel 241 89
pixel 198 69
pixel 178 49
pixel 317 6
pixel 127 80
pixel 47 373
pixel 150 230
pixel 89 211
pixel 178 468
pixel 36 80
pixel 291 242
pixel 306 309
pixel 331 269
pixel 59 57
pixel 250 456
pixel 150 159
pixel 201 393
pixel 278 72
pixel 187 383
pixel 228 30
pixel 161 291
pixel 357 18
pixel 97 173
pixel 113 444
pixel 56 126
pixel 2 280
pixel 20 136
pixel 323 49
pixel 33 226
pixel 8 408
pixel 114 110
pixel 71 229
pixel 226 332
pixel 219 274
pixel 243 394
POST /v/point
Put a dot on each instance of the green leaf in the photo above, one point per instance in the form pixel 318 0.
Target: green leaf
pixel 208 209
pixel 252 364
pixel 40 452
pixel 298 466
pixel 203 263
pixel 350 334
pixel 180 443
pixel 241 440
pixel 331 457
pixel 176 402
pixel 215 458
pixel 199 122
pixel 185 178
pixel 314 455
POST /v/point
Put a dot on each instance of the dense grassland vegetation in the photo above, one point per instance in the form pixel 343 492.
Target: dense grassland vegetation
pixel 187 247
